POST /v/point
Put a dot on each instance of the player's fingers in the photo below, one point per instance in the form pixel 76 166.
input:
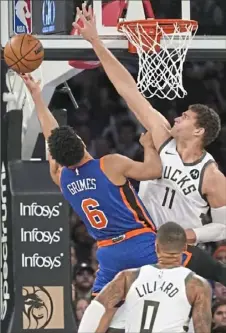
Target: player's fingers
pixel 84 10
pixel 30 77
pixel 77 26
pixel 24 77
pixel 90 11
pixel 87 13
pixel 94 19
pixel 81 16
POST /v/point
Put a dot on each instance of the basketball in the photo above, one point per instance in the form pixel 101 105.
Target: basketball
pixel 23 53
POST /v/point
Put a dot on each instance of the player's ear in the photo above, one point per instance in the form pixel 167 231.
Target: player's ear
pixel 199 131
pixel 156 247
pixel 185 248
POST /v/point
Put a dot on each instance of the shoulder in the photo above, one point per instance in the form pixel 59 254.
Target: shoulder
pixel 129 274
pixel 170 141
pixel 196 286
pixel 114 161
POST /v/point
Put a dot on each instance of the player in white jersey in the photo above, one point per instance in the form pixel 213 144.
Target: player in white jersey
pixel 160 298
pixel 195 129
pixel 177 195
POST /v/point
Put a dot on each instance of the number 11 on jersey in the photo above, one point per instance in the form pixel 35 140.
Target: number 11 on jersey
pixel 168 198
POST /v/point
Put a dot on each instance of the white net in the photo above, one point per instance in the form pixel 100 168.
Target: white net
pixel 161 57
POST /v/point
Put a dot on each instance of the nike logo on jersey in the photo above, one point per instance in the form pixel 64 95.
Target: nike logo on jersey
pixel 168 153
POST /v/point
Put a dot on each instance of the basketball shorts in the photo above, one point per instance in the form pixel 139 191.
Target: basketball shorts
pixel 131 253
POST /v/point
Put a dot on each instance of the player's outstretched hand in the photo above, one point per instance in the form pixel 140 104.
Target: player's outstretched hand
pixel 146 140
pixel 32 85
pixel 87 23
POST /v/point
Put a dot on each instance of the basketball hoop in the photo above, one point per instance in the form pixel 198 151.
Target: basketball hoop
pixel 161 46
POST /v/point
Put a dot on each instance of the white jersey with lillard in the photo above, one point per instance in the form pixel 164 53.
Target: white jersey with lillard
pixel 177 195
pixel 157 301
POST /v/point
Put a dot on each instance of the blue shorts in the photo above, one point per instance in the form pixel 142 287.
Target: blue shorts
pixel 131 253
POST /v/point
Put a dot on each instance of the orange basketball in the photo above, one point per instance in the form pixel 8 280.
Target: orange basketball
pixel 23 53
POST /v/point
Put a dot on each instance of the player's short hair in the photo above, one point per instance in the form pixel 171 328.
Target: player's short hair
pixel 171 237
pixel 65 146
pixel 208 119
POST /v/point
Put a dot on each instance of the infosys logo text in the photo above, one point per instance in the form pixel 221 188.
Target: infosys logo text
pixel 37 210
pixel 37 261
pixel 39 236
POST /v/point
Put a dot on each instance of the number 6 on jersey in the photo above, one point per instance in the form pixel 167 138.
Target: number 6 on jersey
pixel 96 217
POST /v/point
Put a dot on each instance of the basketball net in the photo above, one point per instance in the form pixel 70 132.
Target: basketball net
pixel 161 56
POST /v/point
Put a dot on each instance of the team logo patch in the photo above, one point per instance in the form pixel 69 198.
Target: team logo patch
pixel 194 174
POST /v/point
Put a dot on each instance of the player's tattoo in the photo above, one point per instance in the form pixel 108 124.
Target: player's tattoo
pixel 199 296
pixel 116 290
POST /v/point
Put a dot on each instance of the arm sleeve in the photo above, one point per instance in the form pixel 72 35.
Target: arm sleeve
pixel 212 232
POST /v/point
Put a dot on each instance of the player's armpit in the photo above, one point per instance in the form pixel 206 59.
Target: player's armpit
pixel 199 296
pixel 149 117
pixel 214 186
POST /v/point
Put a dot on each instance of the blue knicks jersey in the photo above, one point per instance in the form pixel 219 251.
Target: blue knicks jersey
pixel 106 209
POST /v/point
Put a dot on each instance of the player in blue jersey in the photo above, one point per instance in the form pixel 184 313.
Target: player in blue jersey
pixel 100 193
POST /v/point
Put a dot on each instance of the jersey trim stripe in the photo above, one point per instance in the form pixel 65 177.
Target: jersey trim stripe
pixel 102 164
pixel 202 176
pixel 132 203
pixel 129 206
pixel 164 144
pixel 147 219
pixel 187 260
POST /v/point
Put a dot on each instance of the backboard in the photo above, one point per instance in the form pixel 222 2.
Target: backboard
pixel 51 21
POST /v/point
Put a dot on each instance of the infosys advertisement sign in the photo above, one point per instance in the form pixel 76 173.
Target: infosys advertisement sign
pixel 40 219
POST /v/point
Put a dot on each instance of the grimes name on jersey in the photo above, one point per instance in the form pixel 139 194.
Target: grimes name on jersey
pixel 148 288
pixel 82 185
pixel 183 181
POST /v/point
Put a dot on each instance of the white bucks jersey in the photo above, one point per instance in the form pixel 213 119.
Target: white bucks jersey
pixel 157 301
pixel 177 195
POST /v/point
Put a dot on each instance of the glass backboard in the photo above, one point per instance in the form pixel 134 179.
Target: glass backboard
pixel 51 20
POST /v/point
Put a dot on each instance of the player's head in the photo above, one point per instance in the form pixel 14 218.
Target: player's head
pixel 170 240
pixel 65 146
pixel 199 123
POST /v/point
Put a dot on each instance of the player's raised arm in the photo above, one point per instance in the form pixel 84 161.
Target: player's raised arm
pixel 124 83
pixel 119 166
pixel 199 296
pixel 99 313
pixel 46 119
pixel 214 189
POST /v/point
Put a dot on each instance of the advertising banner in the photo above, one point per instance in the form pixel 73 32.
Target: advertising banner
pixel 41 249
pixel 52 16
pixel 6 255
